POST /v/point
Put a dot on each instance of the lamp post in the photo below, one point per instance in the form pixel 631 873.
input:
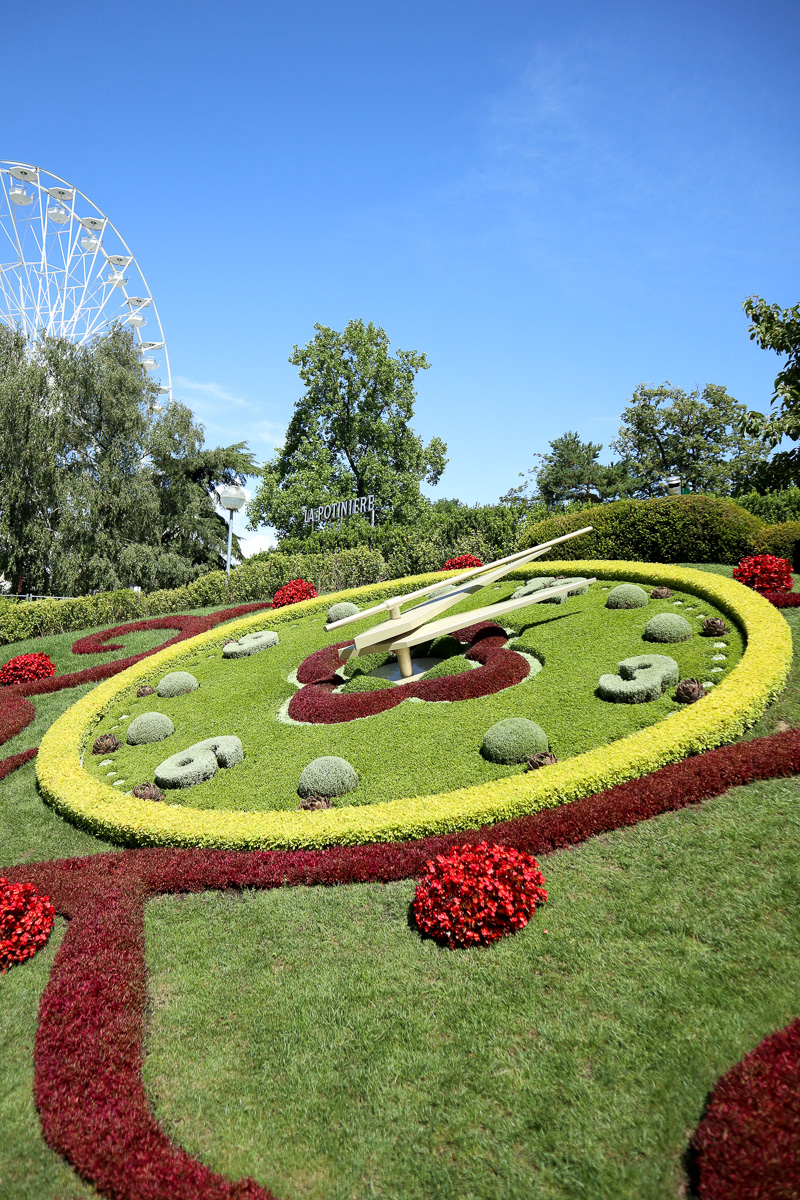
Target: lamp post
pixel 231 496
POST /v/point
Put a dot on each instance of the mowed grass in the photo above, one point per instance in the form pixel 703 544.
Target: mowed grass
pixel 671 951
pixel 311 1038
pixel 400 752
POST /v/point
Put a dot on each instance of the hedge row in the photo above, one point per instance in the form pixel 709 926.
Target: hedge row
pixel 90 1041
pixel 720 717
pixel 670 530
pixel 249 582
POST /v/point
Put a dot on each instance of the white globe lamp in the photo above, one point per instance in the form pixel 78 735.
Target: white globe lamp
pixel 231 496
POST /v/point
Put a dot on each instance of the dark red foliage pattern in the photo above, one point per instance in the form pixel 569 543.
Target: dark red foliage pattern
pixel 477 894
pixel 16 713
pixel 26 667
pixel 293 592
pixel 319 704
pixel 783 599
pixel 89 1044
pixel 26 919
pixel 461 563
pixel 747 1146
pixel 765 573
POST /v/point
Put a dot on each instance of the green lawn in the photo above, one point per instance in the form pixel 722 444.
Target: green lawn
pixel 399 752
pixel 310 1038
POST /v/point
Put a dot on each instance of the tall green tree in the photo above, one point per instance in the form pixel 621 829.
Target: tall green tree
pixel 697 435
pixel 571 472
pixel 99 486
pixel 778 329
pixel 350 434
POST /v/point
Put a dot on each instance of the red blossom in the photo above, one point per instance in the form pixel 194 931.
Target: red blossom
pixel 461 563
pixel 477 894
pixel 26 919
pixel 765 573
pixel 26 667
pixel 293 592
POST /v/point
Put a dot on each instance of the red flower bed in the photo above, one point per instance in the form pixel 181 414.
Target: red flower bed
pixel 765 573
pixel 477 894
pixel 319 704
pixel 26 667
pixel 90 1040
pixel 461 563
pixel 26 919
pixel 293 592
pixel 783 599
pixel 16 713
pixel 747 1146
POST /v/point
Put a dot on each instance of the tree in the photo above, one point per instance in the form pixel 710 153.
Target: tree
pixel 778 329
pixel 697 435
pixel 571 472
pixel 99 487
pixel 349 435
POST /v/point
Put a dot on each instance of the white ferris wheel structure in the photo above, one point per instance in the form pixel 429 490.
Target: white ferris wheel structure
pixel 66 271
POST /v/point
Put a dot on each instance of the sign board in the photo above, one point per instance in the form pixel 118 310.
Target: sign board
pixel 342 508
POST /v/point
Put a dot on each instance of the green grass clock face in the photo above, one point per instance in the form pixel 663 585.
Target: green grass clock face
pixel 417 748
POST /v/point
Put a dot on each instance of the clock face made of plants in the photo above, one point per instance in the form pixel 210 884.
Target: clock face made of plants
pixel 413 759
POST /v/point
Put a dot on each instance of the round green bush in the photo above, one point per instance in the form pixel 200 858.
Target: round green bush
pixel 513 740
pixel 177 683
pixel 641 678
pixel 448 666
pixel 366 683
pixel 445 647
pixel 627 595
pixel 199 762
pixel 669 529
pixel 327 776
pixel 667 627
pixel 149 727
pixel 251 643
pixel 338 612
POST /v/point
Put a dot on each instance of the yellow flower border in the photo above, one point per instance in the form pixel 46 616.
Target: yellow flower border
pixel 721 717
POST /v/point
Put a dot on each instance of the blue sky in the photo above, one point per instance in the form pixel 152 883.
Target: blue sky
pixel 555 202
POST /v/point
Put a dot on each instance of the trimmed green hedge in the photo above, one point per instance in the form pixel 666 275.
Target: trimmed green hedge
pixel 669 530
pixel 249 582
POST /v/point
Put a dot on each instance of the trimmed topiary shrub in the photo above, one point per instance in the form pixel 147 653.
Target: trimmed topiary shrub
pixel 641 678
pixel 782 540
pixel 366 683
pixel 580 588
pixel 477 894
pixel 513 740
pixel 149 727
pixel 199 762
pixel 338 612
pixel 444 647
pixel 627 595
pixel 327 776
pixel 533 585
pixel 672 529
pixel 667 627
pixel 456 665
pixel 177 683
pixel 251 643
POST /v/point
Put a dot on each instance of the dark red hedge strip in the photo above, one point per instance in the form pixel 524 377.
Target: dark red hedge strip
pixel 317 703
pixel 89 1044
pixel 16 713
pixel 783 599
pixel 747 1146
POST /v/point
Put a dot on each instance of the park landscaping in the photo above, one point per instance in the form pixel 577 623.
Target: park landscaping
pixel 356 1056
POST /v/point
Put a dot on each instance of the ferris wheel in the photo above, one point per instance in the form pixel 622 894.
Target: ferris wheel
pixel 66 271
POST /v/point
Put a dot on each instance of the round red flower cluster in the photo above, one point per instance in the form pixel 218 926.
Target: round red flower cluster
pixel 26 667
pixel 26 918
pixel 765 573
pixel 477 894
pixel 461 563
pixel 294 591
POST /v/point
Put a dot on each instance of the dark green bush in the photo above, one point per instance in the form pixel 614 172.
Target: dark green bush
pixel 366 683
pixel 775 508
pixel 782 539
pixel 673 529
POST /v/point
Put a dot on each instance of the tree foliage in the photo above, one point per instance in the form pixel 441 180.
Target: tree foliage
pixel 778 329
pixel 570 473
pixel 697 435
pixel 99 487
pixel 350 433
